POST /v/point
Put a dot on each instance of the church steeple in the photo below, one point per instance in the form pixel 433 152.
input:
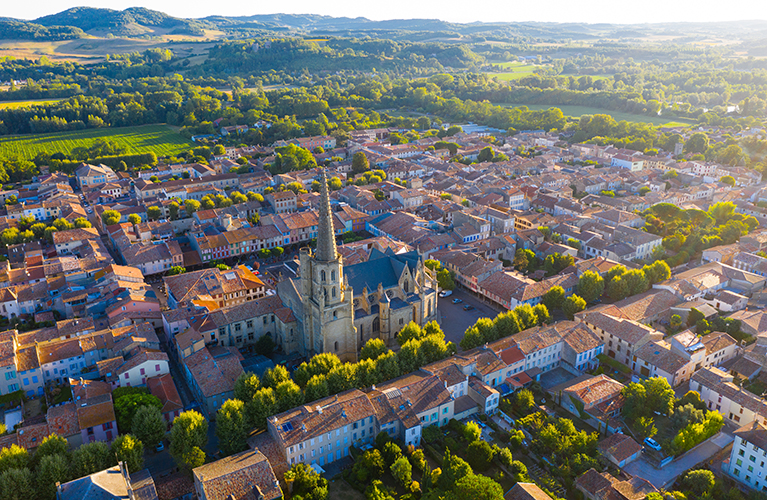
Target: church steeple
pixel 326 240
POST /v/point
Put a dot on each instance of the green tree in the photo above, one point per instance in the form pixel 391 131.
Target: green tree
pixel 246 386
pixel 176 270
pixel 418 460
pixel 636 281
pixel 126 407
pixel 445 279
pixel 372 349
pixel 369 465
pixel 542 313
pixel 52 445
pixel 231 428
pixel 524 400
pixel 128 449
pixel 134 219
pixel 275 376
pixel 645 428
pixel 13 457
pixel 263 405
pixel 572 305
pixel 109 217
pixel 82 223
pixel 391 452
pixel 554 298
pixel 307 484
pixel 191 206
pixel 51 470
pixel 188 435
pixel 402 472
pixel 728 179
pixel 590 286
pixel 316 388
pixel 660 395
pixel 697 143
pixel 635 404
pixel 288 395
pixel 480 454
pixel 471 432
pixel 149 426
pixel 453 469
pixel 617 288
pixel 360 163
pixel 173 210
pixel 17 484
pixel 90 458
pixel 699 481
pixel 476 487
pixel 409 332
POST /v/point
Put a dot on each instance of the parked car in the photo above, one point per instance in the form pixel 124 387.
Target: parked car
pixel 457 301
pixel 651 443
pixel 467 307
pixel 445 293
pixel 160 447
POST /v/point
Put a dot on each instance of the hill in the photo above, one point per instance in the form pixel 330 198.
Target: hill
pixel 12 29
pixel 129 22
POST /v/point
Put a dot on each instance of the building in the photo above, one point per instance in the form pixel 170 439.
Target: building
pixel 96 418
pixel 620 449
pixel 165 390
pixel 621 336
pixel 526 491
pixel 605 486
pixel 719 393
pixel 91 175
pixel 110 484
pixel 748 458
pixel 243 476
pixel 213 288
pixel 211 374
pixel 338 308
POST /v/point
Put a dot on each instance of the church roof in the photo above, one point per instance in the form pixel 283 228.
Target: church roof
pixel 381 268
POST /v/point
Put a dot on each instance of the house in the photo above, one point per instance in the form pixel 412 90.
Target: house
pixel 243 476
pixel 746 463
pixel 110 484
pixel 211 374
pixel 605 486
pixel 62 420
pixel 165 390
pixel 91 175
pixel 213 288
pixel 719 393
pixel 96 418
pixel 621 336
pixel 67 241
pixel 141 365
pixel 597 400
pixel 620 449
pixel 526 491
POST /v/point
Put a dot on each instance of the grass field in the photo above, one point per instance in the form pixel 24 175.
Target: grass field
pixel 26 104
pixel 157 138
pixel 514 70
pixel 578 111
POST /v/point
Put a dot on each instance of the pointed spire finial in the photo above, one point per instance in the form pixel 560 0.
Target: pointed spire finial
pixel 326 240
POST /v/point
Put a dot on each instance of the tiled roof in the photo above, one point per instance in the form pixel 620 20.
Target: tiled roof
pixel 526 491
pixel 95 411
pixel 62 420
pixel 620 446
pixel 592 481
pixel 647 304
pixel 244 476
pixel 31 436
pixel 165 389
pixel 660 355
pixel 595 389
pixel 215 370
pixel 721 382
pixel 755 433
pixel 629 331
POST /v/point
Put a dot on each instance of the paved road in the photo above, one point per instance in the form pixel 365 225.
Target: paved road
pixel 455 321
pixel 661 478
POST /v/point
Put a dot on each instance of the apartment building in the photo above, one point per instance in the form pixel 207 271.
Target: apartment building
pixel 748 459
pixel 719 393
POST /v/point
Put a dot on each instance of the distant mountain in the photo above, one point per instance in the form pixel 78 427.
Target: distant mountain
pixel 129 22
pixel 11 29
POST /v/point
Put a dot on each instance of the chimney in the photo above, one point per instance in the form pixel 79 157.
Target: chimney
pixel 319 409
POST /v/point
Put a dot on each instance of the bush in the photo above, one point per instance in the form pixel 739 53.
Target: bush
pixel 479 455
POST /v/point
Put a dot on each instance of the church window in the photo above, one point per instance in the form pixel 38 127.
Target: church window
pixel 335 315
pixel 406 286
pixel 322 276
pixel 336 346
pixel 332 275
pixel 333 294
pixel 376 324
pixel 401 321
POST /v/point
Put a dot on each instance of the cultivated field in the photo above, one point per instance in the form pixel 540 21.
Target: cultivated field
pixel 514 70
pixel 26 104
pixel 160 139
pixel 578 111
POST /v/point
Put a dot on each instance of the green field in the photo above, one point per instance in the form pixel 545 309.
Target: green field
pixel 28 103
pixel 160 139
pixel 578 111
pixel 515 70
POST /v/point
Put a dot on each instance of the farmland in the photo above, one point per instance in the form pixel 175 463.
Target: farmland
pixel 27 104
pixel 578 111
pixel 514 70
pixel 160 139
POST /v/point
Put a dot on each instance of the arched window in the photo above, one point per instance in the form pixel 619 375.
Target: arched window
pixel 406 286
pixel 376 324
pixel 336 346
pixel 322 276
pixel 429 308
pixel 335 315
pixel 332 275
pixel 333 292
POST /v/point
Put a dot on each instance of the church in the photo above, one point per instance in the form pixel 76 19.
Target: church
pixel 338 309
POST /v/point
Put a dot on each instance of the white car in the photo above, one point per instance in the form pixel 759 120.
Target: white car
pixel 651 443
pixel 445 293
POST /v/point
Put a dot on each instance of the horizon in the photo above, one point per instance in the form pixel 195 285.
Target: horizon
pixel 495 11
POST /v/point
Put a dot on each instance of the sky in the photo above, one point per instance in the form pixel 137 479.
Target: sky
pixel 589 11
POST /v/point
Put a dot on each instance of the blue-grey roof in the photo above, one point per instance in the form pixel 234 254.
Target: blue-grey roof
pixel 384 268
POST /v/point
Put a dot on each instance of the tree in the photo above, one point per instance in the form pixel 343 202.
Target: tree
pixel 524 400
pixel 572 305
pixel 369 465
pixel 90 458
pixel 660 395
pixel 134 219
pixel 191 206
pixel 453 469
pixel 82 223
pixel 573 243
pixel 694 316
pixel 307 484
pixel 126 407
pixel 590 286
pixel 128 449
pixel 542 313
pixel 176 270
pixel 275 376
pixel 728 179
pixel 476 487
pixel 246 386
pixel 634 406
pixel 636 281
pixel 554 298
pixel 288 395
pixel 411 331
pixel 173 210
pixel 617 288
pixel 52 469
pixel 645 428
pixel 479 454
pixel 360 163
pixel 17 484
pixel 110 217
pixel 13 457
pixel 699 481
pixel 472 432
pixel 231 429
pixel 697 143
pixel 188 434
pixel 52 445
pixel 391 452
pixel 372 349
pixel 149 426
pixel 418 460
pixel 445 279
pixel 316 388
pixel 263 405
pixel 153 212
pixel 402 472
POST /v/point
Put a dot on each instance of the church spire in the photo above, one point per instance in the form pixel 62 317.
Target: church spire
pixel 326 240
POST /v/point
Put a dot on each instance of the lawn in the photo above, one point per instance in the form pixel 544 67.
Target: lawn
pixel 26 104
pixel 160 139
pixel 578 111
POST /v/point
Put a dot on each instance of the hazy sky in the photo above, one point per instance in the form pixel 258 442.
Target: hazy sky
pixel 591 11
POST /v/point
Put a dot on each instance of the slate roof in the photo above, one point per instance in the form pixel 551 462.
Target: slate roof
pixel 385 268
pixel 110 484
